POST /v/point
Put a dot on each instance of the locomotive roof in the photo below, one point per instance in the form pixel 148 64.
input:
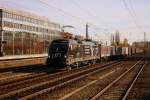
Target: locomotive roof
pixel 72 41
pixel 83 42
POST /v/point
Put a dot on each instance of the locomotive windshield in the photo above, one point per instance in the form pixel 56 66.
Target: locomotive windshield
pixel 59 46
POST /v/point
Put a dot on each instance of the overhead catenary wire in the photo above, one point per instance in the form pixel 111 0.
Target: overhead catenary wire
pixel 94 26
pixel 131 6
pixel 69 14
pixel 85 10
pixel 89 13
pixel 62 11
pixel 132 15
pixel 76 17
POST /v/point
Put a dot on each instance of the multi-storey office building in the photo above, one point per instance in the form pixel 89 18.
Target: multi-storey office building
pixel 24 33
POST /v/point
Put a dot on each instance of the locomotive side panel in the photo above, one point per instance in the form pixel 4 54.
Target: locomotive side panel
pixel 83 52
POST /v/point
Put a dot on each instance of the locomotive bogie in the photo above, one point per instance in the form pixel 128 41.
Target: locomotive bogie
pixel 83 59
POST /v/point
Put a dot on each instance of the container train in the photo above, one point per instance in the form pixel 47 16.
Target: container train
pixel 70 53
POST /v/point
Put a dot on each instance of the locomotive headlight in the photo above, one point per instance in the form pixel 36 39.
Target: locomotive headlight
pixel 65 56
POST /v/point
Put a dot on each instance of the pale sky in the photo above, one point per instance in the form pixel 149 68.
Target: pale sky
pixel 130 17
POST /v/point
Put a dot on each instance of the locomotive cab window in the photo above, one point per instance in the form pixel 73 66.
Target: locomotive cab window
pixel 59 46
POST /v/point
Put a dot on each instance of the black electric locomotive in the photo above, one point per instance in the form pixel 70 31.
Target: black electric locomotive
pixel 69 52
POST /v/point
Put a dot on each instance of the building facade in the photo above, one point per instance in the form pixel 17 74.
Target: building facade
pixel 23 33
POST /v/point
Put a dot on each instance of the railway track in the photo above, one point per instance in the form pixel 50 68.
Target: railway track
pixel 120 87
pixel 89 90
pixel 22 74
pixel 74 80
pixel 71 88
pixel 10 75
pixel 140 88
pixel 22 88
pixel 82 83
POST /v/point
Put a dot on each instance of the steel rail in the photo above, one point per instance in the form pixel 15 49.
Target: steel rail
pixel 129 89
pixel 12 93
pixel 85 86
pixel 112 83
pixel 64 83
pixel 32 78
